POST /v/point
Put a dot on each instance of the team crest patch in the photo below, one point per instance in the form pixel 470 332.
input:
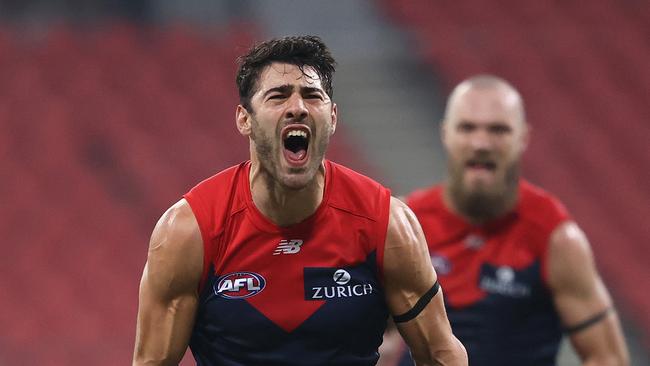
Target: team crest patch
pixel 239 285
pixel 504 280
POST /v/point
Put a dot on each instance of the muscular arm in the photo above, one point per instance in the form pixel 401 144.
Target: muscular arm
pixel 408 275
pixel 168 289
pixel 579 295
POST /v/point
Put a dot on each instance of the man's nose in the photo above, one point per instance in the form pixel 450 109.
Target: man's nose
pixel 480 140
pixel 296 109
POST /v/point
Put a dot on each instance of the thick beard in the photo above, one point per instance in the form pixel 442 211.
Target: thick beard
pixel 484 203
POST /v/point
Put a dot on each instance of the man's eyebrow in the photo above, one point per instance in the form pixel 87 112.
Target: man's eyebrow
pixel 499 124
pixel 284 89
pixel 311 89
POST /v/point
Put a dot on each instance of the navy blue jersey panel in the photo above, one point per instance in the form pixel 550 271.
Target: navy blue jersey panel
pixel 517 316
pixel 346 329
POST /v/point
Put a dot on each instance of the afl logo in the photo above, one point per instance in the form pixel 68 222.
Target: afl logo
pixel 239 285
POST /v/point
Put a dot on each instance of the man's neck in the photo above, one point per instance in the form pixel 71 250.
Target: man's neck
pixel 283 206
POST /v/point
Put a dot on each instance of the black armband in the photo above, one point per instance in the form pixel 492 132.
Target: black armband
pixel 588 323
pixel 419 306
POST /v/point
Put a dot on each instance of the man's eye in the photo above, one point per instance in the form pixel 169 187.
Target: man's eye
pixel 276 96
pixel 500 129
pixel 314 96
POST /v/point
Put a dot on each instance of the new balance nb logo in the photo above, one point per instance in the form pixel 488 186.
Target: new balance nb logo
pixel 288 247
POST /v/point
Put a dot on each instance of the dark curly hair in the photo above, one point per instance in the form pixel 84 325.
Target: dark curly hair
pixel 297 50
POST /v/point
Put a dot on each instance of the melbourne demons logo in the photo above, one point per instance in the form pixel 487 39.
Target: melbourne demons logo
pixel 239 285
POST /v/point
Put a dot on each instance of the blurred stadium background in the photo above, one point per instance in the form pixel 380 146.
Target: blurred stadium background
pixel 110 110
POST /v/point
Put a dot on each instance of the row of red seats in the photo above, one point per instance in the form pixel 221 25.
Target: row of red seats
pixel 101 131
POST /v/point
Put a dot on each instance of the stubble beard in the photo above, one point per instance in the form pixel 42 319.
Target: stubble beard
pixel 484 203
pixel 267 156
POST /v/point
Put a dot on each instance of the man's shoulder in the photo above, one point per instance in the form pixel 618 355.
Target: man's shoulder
pixel 226 176
pixel 344 180
pixel 214 198
pixel 425 199
pixel 355 192
pixel 342 172
pixel 541 206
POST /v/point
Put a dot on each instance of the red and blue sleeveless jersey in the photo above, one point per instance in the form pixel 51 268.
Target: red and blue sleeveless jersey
pixel 494 276
pixel 309 293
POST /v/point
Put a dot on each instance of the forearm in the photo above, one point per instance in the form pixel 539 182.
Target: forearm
pixel 163 335
pixel 602 348
pixel 157 350
pixel 608 359
pixel 452 354
pixel 157 362
pixel 603 345
pixel 163 329
pixel 599 340
pixel 432 346
pixel 611 361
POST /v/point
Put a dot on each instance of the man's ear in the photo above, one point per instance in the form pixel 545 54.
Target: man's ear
pixel 443 132
pixel 334 117
pixel 243 120
pixel 525 137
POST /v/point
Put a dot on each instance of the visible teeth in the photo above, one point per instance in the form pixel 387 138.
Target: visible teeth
pixel 298 133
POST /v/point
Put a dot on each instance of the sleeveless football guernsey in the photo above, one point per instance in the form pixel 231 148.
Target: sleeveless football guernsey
pixel 307 294
pixel 494 276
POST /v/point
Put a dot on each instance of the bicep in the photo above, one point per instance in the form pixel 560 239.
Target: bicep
pixel 409 275
pixel 407 265
pixel 580 295
pixel 168 290
pixel 577 289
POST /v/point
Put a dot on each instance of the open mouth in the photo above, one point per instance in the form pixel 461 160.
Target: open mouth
pixel 481 165
pixel 295 140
